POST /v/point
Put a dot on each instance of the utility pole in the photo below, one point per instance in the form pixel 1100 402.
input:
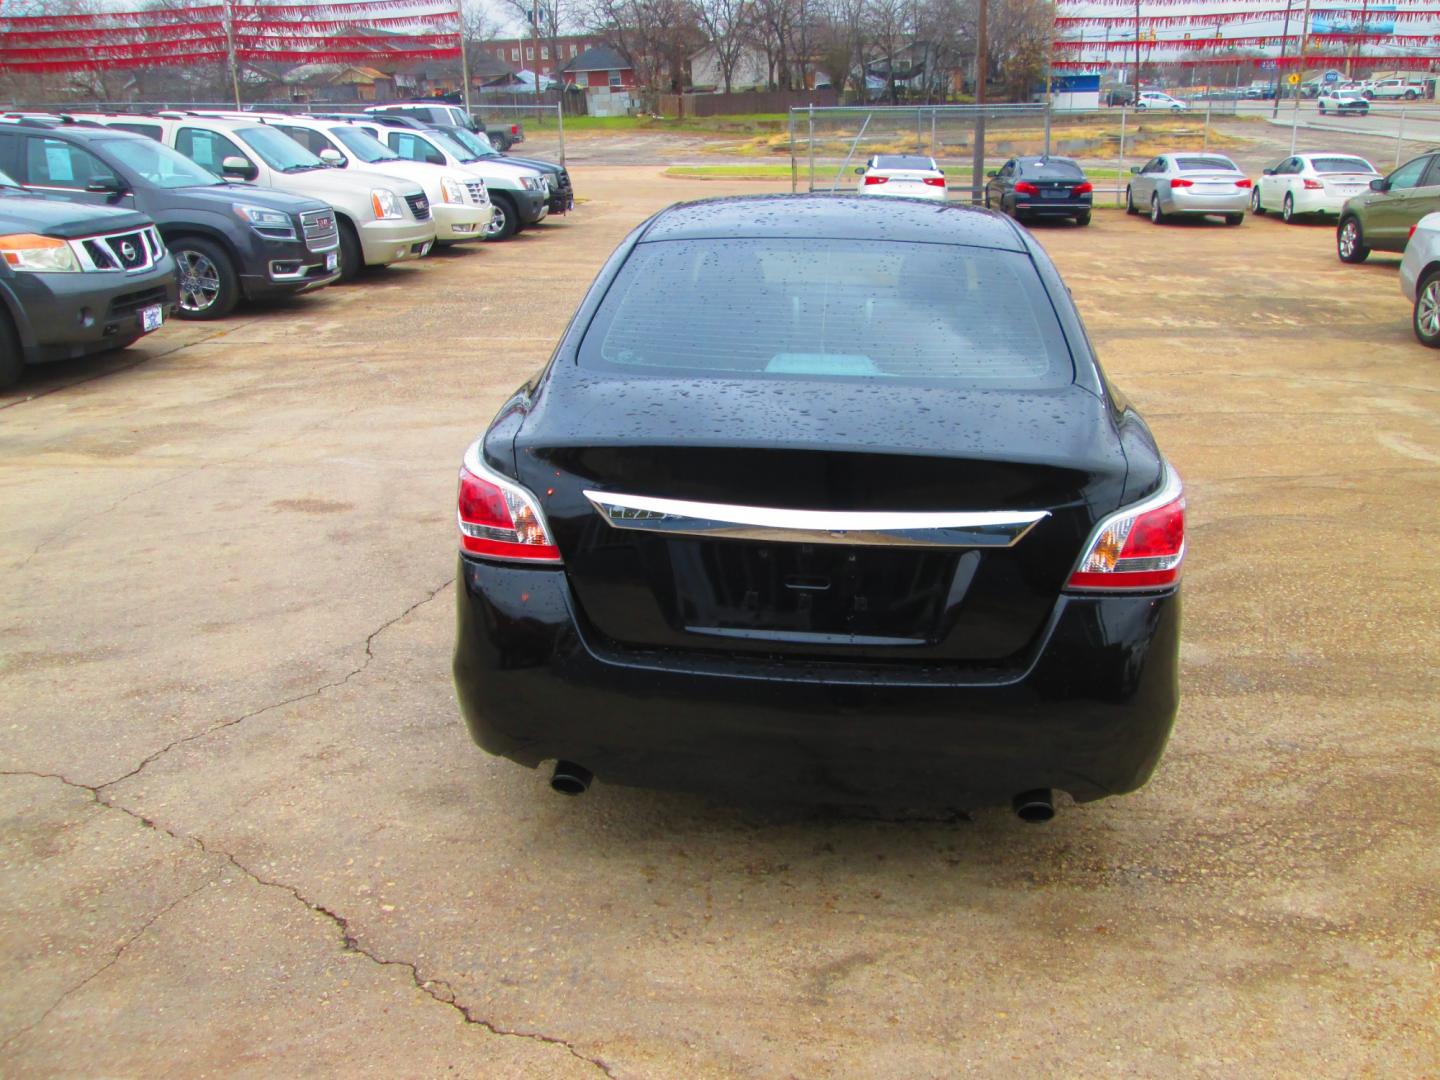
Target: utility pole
pixel 1280 67
pixel 982 50
pixel 464 54
pixel 1300 67
pixel 1137 52
pixel 229 16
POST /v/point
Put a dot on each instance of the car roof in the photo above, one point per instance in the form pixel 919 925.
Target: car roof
pixel 835 217
pixel 82 129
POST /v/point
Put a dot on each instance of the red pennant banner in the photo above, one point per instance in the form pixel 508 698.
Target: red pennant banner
pixel 155 16
pixel 1422 63
pixel 102 53
pixel 114 34
pixel 168 60
pixel 441 19
pixel 353 10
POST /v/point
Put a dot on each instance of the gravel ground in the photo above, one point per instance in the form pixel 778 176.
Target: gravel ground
pixel 246 833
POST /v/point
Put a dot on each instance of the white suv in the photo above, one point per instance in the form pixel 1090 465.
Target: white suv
pixel 382 219
pixel 458 199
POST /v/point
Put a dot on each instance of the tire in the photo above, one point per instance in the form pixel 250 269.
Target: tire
pixel 1368 95
pixel 1287 210
pixel 1234 219
pixel 209 287
pixel 1350 242
pixel 1322 109
pixel 12 364
pixel 352 255
pixel 499 141
pixel 1426 319
pixel 506 221
pixel 1157 216
pixel 1083 219
pixel 1130 207
pixel 1255 205
pixel 1410 95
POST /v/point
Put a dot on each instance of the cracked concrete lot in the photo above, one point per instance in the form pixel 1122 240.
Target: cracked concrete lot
pixel 246 834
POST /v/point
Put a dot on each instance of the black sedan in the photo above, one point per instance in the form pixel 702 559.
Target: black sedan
pixel 824 497
pixel 1041 187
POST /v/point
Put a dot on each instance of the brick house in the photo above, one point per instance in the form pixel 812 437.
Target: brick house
pixel 519 52
pixel 599 66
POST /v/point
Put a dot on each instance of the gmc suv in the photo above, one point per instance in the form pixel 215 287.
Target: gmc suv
pixel 75 280
pixel 230 241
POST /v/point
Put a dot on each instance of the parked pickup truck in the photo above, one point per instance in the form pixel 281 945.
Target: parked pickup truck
pixel 1394 90
pixel 230 241
pixel 76 280
pixel 441 114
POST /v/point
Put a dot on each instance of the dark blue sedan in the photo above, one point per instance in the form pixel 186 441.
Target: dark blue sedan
pixel 1041 187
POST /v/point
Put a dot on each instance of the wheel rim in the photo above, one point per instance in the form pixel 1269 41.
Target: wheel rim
pixel 199 281
pixel 1427 312
pixel 497 222
pixel 1289 208
pixel 1255 200
pixel 1155 208
pixel 1347 239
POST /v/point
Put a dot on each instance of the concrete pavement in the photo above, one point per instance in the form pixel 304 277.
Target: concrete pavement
pixel 245 832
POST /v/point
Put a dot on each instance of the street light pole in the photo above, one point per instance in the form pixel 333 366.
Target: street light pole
pixel 1300 69
pixel 1280 67
pixel 982 49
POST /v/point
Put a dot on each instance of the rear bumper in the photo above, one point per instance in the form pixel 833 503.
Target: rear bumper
pixel 1054 207
pixel 1318 202
pixel 1089 714
pixel 1178 201
pixel 65 316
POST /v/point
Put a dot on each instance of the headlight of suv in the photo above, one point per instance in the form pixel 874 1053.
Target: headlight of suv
pixel 452 189
pixel 38 254
pixel 532 183
pixel 385 204
pixel 275 224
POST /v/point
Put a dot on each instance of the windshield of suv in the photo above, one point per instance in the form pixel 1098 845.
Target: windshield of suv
pixel 443 140
pixel 768 308
pixel 364 145
pixel 279 151
pixel 476 144
pixel 159 164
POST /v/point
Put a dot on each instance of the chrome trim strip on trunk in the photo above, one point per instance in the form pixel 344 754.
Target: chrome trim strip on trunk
pixel 991 528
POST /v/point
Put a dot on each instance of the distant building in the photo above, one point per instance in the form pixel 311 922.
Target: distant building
pixel 751 70
pixel 599 67
pixel 520 52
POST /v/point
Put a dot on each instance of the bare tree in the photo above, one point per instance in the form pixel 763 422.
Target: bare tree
pixel 727 24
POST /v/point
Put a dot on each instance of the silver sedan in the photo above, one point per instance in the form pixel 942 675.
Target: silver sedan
pixel 1188 183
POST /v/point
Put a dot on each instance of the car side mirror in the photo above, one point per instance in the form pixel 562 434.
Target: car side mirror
pixel 1135 169
pixel 1268 172
pixel 238 168
pixel 105 185
pixel 860 170
pixel 333 158
pixel 1380 185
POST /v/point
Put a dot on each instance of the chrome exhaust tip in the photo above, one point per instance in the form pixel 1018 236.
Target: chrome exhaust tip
pixel 1036 806
pixel 570 779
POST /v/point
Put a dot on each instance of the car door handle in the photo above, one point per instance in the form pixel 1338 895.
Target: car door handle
pixel 883 528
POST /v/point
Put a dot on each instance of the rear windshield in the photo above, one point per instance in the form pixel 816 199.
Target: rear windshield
pixel 1188 164
pixel 903 161
pixel 767 308
pixel 1341 165
pixel 1065 170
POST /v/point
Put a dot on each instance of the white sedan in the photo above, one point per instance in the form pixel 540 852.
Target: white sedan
pixel 902 174
pixel 1420 278
pixel 1312 184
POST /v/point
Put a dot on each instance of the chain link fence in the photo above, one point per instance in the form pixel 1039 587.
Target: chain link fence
pixel 827 145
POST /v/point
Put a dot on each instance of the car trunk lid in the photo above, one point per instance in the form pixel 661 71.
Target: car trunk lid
pixel 792 448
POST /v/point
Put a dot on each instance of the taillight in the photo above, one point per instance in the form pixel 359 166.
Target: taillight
pixel 1024 187
pixel 514 129
pixel 498 518
pixel 1177 182
pixel 1313 185
pixel 1243 183
pixel 935 181
pixel 1138 547
pixel 1410 233
pixel 875 180
pixel 1083 189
